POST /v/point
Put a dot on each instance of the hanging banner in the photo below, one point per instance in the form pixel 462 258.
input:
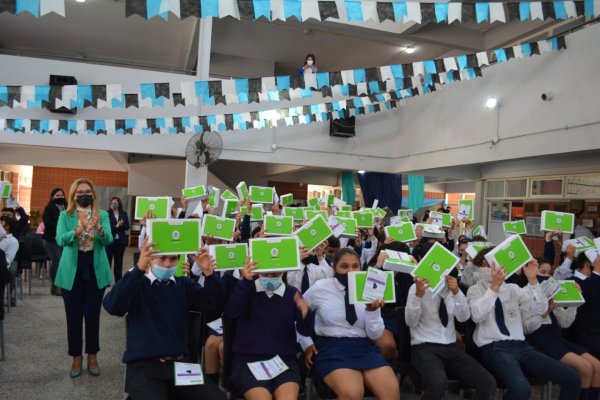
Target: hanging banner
pixel 424 75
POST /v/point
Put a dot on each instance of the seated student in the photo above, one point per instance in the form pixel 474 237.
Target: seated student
pixel 4 280
pixel 543 333
pixel 267 314
pixel 433 339
pixel 342 354
pixel 564 270
pixel 586 327
pixel 10 245
pixel 496 309
pixel 157 304
pixel 313 268
pixel 22 225
pixel 333 245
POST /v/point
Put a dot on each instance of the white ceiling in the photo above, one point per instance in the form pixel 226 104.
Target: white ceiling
pixel 97 31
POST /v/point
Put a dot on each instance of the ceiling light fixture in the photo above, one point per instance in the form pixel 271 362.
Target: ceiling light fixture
pixel 80 1
pixel 409 50
pixel 491 103
pixel 361 171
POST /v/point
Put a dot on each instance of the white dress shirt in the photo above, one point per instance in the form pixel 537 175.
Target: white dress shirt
pixel 581 230
pixel 422 316
pixel 326 298
pixel 482 302
pixel 564 271
pixel 316 272
pixel 10 245
pixel 466 274
pixel 532 322
pixel 579 275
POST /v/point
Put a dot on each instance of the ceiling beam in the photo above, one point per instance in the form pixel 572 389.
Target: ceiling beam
pixel 449 36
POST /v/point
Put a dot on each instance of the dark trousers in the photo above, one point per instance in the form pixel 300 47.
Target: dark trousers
pixel 155 380
pixel 83 301
pixel 116 250
pixel 433 360
pixel 510 361
pixel 55 251
pixel 12 269
pixel 590 340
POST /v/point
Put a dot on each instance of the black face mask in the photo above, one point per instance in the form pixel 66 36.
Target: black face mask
pixel 59 201
pixel 84 200
pixel 342 278
pixel 542 278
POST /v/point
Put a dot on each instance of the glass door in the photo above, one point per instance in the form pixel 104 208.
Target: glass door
pixel 498 213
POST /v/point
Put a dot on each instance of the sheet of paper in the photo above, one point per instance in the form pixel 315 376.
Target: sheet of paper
pixel 269 369
pixel 216 325
pixel 375 285
pixel 463 212
pixel 187 374
pixel 550 287
pixel 336 227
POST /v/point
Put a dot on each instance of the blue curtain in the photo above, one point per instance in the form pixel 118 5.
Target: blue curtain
pixel 387 188
pixel 416 192
pixel 348 192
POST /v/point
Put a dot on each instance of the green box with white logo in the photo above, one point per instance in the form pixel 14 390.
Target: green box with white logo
pixel 218 227
pixel 159 206
pixel 437 263
pixel 175 236
pixel 314 232
pixel 229 256
pixel 278 225
pixel 276 254
pixel 262 194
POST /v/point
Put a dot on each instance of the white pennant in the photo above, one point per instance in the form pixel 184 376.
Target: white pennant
pixel 348 77
pixel 454 12
pixel 413 12
pixel 482 58
pixel 450 64
pixel 518 51
pixel 361 88
pixel 56 6
pixel 544 46
pixel 228 7
pixel 536 11
pixel 111 127
pixel 310 9
pixel 310 81
pixel 418 68
pixel 53 126
pixel 386 73
pixel 570 9
pixel 497 12
pixel 170 5
pixel 277 11
pixel 369 10
pixel 188 92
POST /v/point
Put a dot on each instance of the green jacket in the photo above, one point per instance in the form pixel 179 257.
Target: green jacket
pixel 65 237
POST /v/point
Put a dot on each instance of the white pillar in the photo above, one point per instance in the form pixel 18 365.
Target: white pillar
pixel 480 204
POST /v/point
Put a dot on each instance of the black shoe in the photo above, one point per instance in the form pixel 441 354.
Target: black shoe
pixel 13 303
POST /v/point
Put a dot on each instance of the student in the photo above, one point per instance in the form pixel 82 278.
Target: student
pixel 157 305
pixel 342 354
pixel 433 340
pixel 543 333
pixel 581 230
pixel 55 206
pixel 496 309
pixel 267 314
pixel 586 327
pixel 19 215
pixel 10 246
pixel 314 267
pixel 83 273
pixel 119 224
pixel 309 66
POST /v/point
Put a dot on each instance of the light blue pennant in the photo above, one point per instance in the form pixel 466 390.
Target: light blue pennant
pixel 462 61
pixel 30 6
pixel 153 9
pixel 430 67
pixel 262 8
pixel 322 79
pixel 525 11
pixel 560 12
pixel 241 88
pixel 84 92
pixel 588 8
pixel 441 12
pixel 482 10
pixel 397 71
pixel 292 8
pixel 500 55
pixel 354 10
pixel 400 10
pixel 209 8
pixel 359 75
pixel 283 82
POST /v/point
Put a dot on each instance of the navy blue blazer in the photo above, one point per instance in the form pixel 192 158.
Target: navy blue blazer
pixel 120 231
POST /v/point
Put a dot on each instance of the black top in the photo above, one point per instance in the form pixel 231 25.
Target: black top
pixel 50 218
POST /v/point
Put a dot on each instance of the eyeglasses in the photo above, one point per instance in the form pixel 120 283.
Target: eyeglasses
pixel 88 192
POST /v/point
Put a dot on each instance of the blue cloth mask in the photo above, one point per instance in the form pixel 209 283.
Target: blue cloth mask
pixel 162 273
pixel 270 284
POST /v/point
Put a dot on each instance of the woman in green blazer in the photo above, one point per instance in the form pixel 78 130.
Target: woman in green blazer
pixel 83 272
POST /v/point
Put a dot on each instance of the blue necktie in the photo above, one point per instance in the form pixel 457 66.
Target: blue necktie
pixel 500 318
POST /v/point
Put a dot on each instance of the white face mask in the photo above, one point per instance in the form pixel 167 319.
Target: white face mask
pixel 309 63
pixel 483 275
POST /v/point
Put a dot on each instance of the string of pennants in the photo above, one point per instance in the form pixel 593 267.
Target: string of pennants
pixel 348 10
pixel 424 75
pixel 195 124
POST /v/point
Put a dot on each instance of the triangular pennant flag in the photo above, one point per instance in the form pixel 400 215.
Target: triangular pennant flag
pixel 55 6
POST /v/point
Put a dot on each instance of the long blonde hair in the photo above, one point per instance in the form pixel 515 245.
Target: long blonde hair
pixel 71 199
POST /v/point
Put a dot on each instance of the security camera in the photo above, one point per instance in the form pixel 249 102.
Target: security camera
pixel 547 96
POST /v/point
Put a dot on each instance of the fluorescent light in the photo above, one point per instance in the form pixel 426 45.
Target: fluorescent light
pixel 492 102
pixel 361 171
pixel 409 50
pixel 80 1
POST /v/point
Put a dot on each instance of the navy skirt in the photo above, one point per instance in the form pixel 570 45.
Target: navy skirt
pixel 353 353
pixel 548 341
pixel 243 380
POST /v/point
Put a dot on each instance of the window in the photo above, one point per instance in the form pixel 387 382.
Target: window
pixel 516 188
pixel 547 187
pixel 495 189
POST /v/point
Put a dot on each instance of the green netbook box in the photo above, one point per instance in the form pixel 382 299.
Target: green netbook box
pixel 230 208
pixel 363 219
pixel 218 227
pixel 194 192
pixel 557 221
pixel 242 190
pixel 350 227
pixel 441 219
pixel 357 282
pixel 511 254
pixel 256 212
pixel 286 199
pixel 314 202
pixel 159 206
pixel 296 212
pixel 344 214
pixel 399 262
pixel 278 225
pixel 568 295
pixel 214 197
pixel 180 271
pixel 401 233
pixel 310 214
pixel 175 236
pixel 262 194
pixel 346 207
pixel 406 213
pixel 314 232
pixel 229 256
pixel 229 195
pixel 475 247
pixel 464 206
pixel 6 189
pixel 276 254
pixel 437 263
pixel 516 227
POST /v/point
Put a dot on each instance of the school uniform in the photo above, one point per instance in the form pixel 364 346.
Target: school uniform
pixel 309 274
pixel 586 327
pixel 544 333
pixel 504 351
pixel 157 331
pixel 340 343
pixel 266 323
pixel 434 350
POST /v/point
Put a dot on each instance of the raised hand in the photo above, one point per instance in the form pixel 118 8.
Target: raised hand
pixel 452 284
pixel 205 262
pixel 248 270
pixel 374 305
pixel 146 254
pixel 421 285
pixel 498 276
pixel 531 270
